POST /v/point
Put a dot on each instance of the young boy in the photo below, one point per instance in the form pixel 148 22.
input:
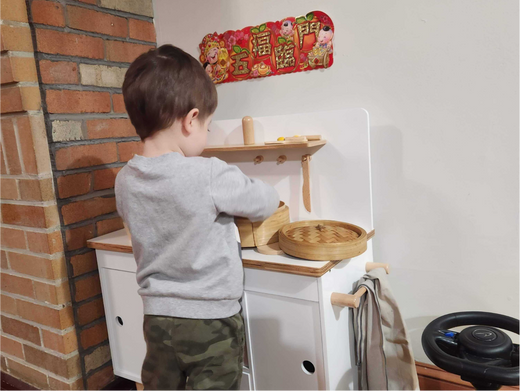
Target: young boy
pixel 179 209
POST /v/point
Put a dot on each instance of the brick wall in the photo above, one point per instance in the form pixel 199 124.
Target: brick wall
pixel 39 343
pixel 81 52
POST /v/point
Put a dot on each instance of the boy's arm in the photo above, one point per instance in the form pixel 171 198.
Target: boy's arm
pixel 236 194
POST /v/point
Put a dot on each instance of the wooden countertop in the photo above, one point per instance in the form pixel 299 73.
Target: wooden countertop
pixel 118 241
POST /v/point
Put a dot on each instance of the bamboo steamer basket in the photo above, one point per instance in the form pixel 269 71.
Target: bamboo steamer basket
pixel 323 240
pixel 265 232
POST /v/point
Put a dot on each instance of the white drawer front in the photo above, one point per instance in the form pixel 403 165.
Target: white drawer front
pixel 281 284
pixel 124 305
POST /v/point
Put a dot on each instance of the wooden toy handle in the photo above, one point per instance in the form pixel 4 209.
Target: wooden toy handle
pixel 352 301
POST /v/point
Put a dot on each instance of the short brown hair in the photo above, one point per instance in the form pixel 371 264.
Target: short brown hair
pixel 163 85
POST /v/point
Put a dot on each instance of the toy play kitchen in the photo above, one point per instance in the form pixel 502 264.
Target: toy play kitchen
pixel 300 265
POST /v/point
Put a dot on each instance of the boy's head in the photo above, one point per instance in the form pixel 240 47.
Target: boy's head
pixel 164 85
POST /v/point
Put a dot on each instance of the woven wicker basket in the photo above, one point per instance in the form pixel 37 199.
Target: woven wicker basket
pixel 323 240
pixel 262 232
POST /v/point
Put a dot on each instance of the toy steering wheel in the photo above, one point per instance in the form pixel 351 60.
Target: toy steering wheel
pixel 482 355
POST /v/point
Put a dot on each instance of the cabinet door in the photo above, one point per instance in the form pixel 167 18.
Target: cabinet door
pixel 286 343
pixel 124 316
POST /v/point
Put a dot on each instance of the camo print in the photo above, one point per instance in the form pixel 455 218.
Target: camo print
pixel 198 354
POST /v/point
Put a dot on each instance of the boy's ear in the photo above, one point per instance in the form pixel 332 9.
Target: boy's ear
pixel 188 121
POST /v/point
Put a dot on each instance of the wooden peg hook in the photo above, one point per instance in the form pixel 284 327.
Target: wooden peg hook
pixel 352 301
pixel 259 159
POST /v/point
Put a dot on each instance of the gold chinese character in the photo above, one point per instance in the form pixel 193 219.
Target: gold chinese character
pixel 284 56
pixel 262 46
pixel 240 66
pixel 315 28
pixel 303 29
pixel 307 28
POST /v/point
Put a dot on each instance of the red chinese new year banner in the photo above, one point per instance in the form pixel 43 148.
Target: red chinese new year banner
pixel 293 44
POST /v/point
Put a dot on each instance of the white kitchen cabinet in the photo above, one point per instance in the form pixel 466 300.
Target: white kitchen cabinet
pixel 295 337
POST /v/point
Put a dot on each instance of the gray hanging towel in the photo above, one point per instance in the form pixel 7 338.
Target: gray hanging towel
pixel 383 351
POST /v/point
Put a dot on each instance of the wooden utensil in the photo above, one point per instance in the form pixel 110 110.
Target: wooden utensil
pixel 306 190
pixel 323 240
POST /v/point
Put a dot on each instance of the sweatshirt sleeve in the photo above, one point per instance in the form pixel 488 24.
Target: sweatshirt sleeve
pixel 236 194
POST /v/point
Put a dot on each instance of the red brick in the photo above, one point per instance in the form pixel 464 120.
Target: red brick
pixel 8 189
pixel 3 260
pixel 6 71
pixel 98 22
pixel 12 347
pixel 63 367
pixel 67 101
pixel 83 263
pixel 106 128
pixel 48 243
pixel 55 384
pixel 87 287
pixel 56 42
pixel 47 12
pixel 58 319
pixel 142 30
pixel 94 335
pixel 8 305
pixel 73 185
pixel 24 69
pixel 10 148
pixel 124 51
pixel 50 269
pixel 59 72
pixel 16 38
pixel 36 189
pixel 77 237
pixel 89 312
pixel 118 103
pixel 100 379
pixel 28 374
pixel 25 135
pixel 61 343
pixel 49 293
pixel 87 209
pixel 2 164
pixel 30 216
pixel 85 156
pixel 11 100
pixel 21 330
pixel 104 179
pixel 110 225
pixel 14 10
pixel 129 149
pixel 17 285
pixel 13 238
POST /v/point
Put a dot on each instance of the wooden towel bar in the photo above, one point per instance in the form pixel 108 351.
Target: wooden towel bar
pixel 352 301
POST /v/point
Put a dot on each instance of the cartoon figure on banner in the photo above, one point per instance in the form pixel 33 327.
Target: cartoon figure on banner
pixel 214 57
pixel 287 30
pixel 322 48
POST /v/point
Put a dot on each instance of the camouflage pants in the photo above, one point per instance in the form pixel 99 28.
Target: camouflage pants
pixel 198 354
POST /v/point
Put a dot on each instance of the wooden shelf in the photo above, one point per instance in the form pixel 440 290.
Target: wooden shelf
pixel 263 147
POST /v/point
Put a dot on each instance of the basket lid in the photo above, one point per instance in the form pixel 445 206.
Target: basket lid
pixel 323 232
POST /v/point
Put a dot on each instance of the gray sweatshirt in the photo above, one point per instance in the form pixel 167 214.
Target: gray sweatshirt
pixel 180 214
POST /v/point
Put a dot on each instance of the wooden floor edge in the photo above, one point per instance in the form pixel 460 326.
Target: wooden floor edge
pixel 434 372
